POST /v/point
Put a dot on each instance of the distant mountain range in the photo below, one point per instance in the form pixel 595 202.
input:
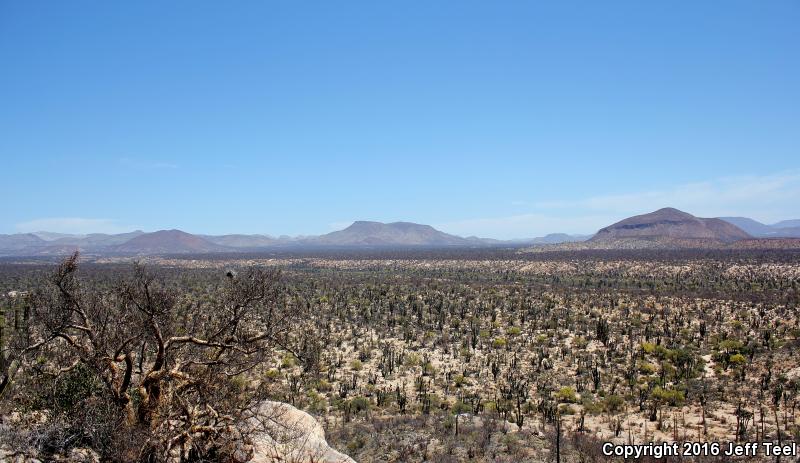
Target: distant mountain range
pixel 555 238
pixel 244 241
pixel 358 235
pixel 666 227
pixel 20 241
pixel 783 229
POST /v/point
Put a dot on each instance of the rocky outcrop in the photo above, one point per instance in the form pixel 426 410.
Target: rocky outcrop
pixel 285 434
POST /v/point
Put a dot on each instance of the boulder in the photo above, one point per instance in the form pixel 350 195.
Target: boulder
pixel 282 433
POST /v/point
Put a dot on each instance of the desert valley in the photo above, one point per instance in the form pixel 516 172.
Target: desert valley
pixel 400 343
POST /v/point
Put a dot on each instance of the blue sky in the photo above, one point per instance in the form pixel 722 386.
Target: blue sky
pixel 501 119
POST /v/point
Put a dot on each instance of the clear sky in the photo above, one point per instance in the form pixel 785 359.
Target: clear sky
pixel 500 119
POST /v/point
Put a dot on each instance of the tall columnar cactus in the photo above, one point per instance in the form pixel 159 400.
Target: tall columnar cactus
pixel 13 320
pixel 2 334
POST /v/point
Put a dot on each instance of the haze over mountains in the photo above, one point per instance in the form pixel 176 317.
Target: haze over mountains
pixel 783 229
pixel 664 227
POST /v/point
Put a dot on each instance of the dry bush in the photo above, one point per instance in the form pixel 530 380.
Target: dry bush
pixel 139 372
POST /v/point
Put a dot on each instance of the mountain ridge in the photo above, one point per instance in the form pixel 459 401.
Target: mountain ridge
pixel 782 229
pixel 664 228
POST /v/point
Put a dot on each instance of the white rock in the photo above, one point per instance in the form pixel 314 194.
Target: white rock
pixel 288 435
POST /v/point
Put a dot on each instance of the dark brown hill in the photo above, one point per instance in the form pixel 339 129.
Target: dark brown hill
pixel 168 242
pixel 388 234
pixel 670 224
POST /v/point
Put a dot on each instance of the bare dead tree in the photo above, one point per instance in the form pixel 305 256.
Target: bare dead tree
pixel 190 395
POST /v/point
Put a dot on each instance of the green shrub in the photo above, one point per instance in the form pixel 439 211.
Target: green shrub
pixel 614 403
pixel 323 385
pixel 73 387
pixel 359 404
pixel 672 397
pixel 737 359
pixel 730 346
pixel 412 360
pixel 648 347
pixel 591 407
pixel 429 369
pixel 460 407
pixel 566 409
pixel 288 361
pixel 567 394
pixel 460 380
pixel 356 444
pixel 646 368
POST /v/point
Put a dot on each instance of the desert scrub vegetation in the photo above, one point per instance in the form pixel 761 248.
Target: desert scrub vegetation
pixel 424 357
